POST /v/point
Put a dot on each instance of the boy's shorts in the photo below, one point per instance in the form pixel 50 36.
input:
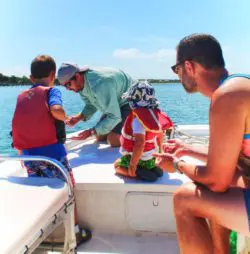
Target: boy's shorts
pixel 146 170
pixel 124 161
pixel 46 169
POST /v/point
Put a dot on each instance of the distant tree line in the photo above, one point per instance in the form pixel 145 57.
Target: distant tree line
pixel 14 81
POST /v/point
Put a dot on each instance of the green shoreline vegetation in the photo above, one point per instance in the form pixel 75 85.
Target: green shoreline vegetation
pixel 14 80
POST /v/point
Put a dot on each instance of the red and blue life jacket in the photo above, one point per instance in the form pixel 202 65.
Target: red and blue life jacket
pixel 33 125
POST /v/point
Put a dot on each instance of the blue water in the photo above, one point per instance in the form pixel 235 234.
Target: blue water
pixel 183 108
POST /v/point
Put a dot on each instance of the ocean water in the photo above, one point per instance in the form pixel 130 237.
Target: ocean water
pixel 182 108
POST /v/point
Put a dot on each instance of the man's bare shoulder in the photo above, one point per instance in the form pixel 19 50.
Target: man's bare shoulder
pixel 237 84
pixel 233 97
pixel 234 89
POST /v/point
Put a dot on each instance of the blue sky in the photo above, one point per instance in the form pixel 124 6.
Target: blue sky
pixel 135 35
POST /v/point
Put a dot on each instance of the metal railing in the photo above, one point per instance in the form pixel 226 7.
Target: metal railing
pixel 54 162
pixel 190 139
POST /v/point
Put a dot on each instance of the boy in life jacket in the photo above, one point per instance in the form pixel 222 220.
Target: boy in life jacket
pixel 142 134
pixel 38 124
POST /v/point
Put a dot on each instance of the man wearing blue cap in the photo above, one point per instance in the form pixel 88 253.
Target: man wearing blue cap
pixel 101 90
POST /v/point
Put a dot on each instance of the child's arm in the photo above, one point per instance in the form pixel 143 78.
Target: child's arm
pixel 58 112
pixel 137 152
pixel 160 138
pixel 19 152
pixel 55 104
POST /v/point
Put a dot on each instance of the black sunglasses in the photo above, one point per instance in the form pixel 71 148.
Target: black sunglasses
pixel 174 67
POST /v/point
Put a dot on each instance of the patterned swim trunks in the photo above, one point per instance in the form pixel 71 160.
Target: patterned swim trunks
pixel 46 169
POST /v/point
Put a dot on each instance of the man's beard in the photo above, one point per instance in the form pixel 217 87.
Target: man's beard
pixel 192 87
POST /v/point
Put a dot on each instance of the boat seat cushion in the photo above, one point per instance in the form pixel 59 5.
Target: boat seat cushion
pixel 26 206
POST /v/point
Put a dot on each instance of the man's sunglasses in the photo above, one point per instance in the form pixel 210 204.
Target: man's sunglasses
pixel 68 84
pixel 174 67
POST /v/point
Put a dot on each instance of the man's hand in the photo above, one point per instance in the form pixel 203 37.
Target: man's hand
pixel 172 145
pixel 132 171
pixel 176 147
pixel 165 161
pixel 82 135
pixel 73 120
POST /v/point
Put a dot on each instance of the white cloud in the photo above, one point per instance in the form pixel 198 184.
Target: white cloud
pixel 131 53
pixel 134 53
pixel 148 64
pixel 157 64
pixel 142 64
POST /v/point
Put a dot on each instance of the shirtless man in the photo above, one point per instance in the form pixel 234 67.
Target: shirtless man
pixel 218 191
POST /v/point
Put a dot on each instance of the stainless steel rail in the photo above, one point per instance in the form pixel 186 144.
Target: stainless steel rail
pixel 54 162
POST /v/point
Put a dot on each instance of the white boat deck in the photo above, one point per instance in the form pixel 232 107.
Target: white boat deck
pixel 92 165
pixel 119 209
pixel 146 244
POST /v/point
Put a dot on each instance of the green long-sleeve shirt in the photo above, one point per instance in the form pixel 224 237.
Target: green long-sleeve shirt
pixel 102 92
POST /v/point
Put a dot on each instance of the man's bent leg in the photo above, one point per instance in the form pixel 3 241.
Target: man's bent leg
pixel 193 233
pixel 101 137
pixel 220 236
pixel 114 136
pixel 114 139
pixel 193 203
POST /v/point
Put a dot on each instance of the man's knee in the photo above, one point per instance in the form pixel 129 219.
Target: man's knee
pixel 114 139
pixel 101 137
pixel 184 198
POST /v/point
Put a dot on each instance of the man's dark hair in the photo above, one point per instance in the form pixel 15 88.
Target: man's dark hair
pixel 42 66
pixel 201 48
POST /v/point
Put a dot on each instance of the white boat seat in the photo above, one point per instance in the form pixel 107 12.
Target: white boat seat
pixel 11 168
pixel 27 206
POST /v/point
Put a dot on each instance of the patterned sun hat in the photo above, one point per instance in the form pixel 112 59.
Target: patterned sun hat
pixel 141 95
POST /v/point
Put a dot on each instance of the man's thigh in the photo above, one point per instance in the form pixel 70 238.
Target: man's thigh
pixel 227 209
